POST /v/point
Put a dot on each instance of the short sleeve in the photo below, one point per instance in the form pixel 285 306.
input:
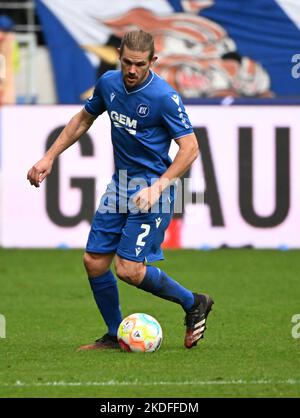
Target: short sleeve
pixel 95 104
pixel 174 116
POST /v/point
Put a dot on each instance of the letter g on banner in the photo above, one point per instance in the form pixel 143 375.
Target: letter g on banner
pixel 86 185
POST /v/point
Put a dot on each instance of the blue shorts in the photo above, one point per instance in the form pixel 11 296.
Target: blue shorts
pixel 133 236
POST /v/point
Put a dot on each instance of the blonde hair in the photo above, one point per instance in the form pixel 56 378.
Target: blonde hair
pixel 138 40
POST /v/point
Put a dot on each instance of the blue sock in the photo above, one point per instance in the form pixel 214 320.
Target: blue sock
pixel 160 284
pixel 106 296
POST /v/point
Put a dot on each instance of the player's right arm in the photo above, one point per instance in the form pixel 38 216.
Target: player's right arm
pixel 77 126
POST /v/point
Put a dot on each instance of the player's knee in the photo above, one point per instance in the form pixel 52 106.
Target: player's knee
pixel 93 264
pixel 131 272
pixel 89 264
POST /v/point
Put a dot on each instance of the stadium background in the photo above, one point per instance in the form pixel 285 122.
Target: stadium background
pixel 237 65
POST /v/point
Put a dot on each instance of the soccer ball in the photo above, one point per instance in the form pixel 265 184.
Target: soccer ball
pixel 140 332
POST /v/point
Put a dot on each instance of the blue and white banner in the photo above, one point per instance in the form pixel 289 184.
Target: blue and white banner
pixel 206 48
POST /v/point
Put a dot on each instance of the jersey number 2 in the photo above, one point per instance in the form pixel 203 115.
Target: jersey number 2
pixel 142 235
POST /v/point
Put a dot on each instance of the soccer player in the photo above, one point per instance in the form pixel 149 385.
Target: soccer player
pixel 146 114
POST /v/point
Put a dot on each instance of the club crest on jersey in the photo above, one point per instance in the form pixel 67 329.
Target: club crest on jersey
pixel 142 110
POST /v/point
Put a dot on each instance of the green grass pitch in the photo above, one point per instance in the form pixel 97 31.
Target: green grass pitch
pixel 248 349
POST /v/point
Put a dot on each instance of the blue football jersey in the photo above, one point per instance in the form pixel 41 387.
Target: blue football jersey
pixel 144 120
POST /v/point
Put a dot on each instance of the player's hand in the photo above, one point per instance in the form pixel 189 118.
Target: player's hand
pixel 147 197
pixel 39 171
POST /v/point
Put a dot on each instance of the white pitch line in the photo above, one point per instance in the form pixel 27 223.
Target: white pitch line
pixel 19 383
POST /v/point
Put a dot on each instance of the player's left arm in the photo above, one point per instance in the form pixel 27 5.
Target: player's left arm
pixel 186 155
